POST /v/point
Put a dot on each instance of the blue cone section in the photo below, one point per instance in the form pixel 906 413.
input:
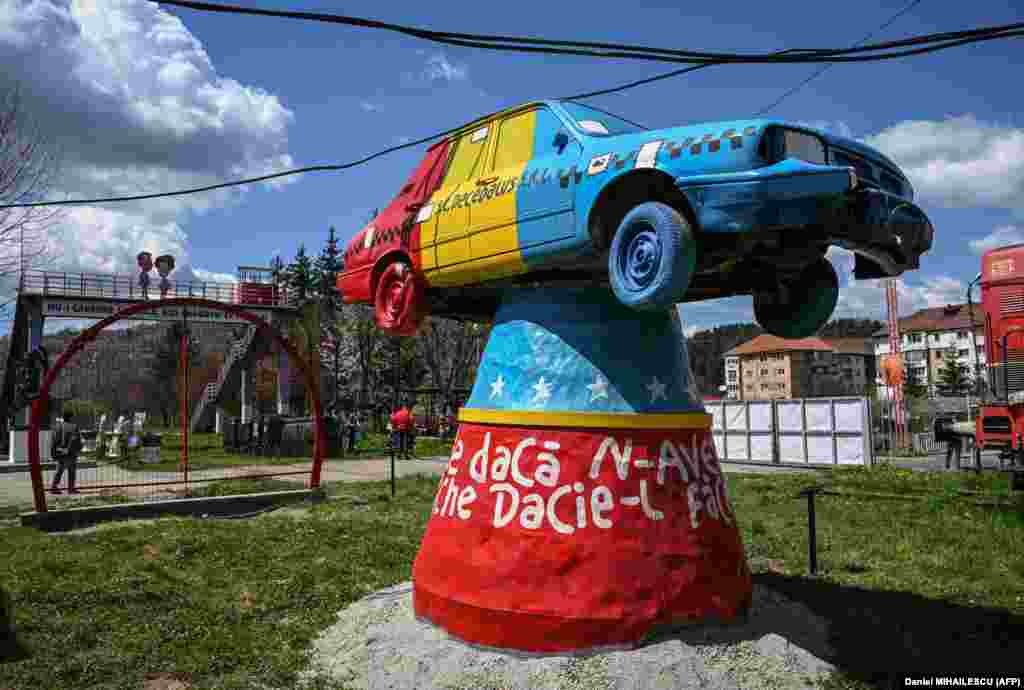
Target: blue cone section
pixel 555 349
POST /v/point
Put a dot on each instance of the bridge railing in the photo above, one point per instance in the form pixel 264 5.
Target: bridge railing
pixel 99 285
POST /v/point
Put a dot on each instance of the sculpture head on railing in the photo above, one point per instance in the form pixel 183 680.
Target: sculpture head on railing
pixel 164 266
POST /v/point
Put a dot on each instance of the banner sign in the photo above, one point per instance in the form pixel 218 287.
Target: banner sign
pixel 71 308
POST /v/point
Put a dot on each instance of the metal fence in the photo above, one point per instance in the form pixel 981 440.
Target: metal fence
pixel 805 431
pixel 99 285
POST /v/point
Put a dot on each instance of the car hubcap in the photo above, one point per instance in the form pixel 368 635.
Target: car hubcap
pixel 394 300
pixel 643 256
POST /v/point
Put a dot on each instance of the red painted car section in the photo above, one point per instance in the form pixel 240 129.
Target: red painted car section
pixel 394 229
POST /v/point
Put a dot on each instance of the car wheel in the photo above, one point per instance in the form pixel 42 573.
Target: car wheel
pixel 799 308
pixel 652 257
pixel 399 305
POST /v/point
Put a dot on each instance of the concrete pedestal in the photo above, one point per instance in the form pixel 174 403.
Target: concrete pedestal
pixel 583 506
pixel 19 446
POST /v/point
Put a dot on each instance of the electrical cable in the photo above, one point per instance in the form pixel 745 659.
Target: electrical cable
pixel 824 68
pixel 589 48
pixel 951 39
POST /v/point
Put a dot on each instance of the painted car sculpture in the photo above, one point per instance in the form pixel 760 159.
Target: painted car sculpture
pixel 559 192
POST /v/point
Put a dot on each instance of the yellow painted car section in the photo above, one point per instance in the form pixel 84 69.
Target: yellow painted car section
pixel 472 235
pixel 494 243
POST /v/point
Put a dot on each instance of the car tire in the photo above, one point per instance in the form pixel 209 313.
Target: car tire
pixel 399 305
pixel 814 295
pixel 652 257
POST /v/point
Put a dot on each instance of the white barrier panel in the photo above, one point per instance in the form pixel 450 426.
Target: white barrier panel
pixel 818 415
pixel 790 414
pixel 761 416
pixel 819 431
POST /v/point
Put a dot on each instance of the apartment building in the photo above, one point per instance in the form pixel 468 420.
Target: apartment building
pixel 768 367
pixel 929 337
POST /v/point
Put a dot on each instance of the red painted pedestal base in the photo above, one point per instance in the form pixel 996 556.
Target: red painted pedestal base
pixel 551 539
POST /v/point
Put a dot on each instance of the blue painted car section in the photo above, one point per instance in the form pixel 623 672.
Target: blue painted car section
pixel 593 353
pixel 545 209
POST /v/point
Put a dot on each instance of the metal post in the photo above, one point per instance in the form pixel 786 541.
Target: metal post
pixel 812 537
pixel 398 363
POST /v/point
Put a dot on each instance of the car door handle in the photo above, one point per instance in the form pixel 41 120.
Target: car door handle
pixel 484 181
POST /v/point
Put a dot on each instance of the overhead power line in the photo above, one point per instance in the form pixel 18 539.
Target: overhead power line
pixel 949 39
pixel 824 68
pixel 927 43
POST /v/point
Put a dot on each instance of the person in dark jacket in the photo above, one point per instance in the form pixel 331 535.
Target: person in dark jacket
pixel 67 459
pixel 954 444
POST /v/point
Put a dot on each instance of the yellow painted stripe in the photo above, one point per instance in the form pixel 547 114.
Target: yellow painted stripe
pixel 679 420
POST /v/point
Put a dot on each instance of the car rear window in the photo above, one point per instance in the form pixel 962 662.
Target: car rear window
pixel 466 157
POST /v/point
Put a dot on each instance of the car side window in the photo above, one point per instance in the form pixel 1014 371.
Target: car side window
pixel 515 140
pixel 527 135
pixel 466 159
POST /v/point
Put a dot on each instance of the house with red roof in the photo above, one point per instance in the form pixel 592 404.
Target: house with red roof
pixel 769 367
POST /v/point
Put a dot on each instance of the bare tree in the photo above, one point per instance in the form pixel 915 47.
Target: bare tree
pixel 450 351
pixel 28 169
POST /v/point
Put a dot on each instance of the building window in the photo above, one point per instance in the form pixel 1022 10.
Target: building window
pixel 938 355
pixel 916 338
pixel 764 386
pixel 731 376
pixel 780 372
pixel 962 335
pixel 964 352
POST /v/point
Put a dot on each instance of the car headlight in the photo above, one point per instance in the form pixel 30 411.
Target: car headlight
pixel 854 181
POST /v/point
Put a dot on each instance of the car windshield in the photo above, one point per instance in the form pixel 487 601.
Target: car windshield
pixel 599 123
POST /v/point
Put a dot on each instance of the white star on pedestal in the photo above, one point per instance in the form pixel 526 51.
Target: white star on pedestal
pixel 542 391
pixel 656 389
pixel 598 389
pixel 498 387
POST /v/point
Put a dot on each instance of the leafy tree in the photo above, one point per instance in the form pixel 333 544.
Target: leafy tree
pixel 954 376
pixel 163 383
pixel 300 276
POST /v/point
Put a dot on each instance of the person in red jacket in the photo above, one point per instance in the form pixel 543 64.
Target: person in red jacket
pixel 401 425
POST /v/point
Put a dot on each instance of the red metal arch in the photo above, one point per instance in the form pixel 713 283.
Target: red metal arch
pixel 89 334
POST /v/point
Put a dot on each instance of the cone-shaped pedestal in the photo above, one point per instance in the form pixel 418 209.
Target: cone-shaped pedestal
pixel 583 506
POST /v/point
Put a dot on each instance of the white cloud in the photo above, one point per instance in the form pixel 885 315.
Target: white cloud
pixel 866 298
pixel 134 104
pixel 960 161
pixel 1000 237
pixel 438 68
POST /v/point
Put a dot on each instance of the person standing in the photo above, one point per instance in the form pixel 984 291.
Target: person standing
pixel 400 423
pixel 954 445
pixel 67 459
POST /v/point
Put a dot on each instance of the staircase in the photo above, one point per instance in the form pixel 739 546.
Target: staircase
pixel 205 405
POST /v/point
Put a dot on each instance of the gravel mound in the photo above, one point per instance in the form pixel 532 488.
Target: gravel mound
pixel 378 644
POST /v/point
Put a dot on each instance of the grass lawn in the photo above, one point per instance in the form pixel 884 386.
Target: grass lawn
pixel 926 584
pixel 206 451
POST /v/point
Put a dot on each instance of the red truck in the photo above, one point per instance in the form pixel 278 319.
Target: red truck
pixel 1000 420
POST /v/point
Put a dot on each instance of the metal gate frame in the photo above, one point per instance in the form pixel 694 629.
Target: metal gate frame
pixel 723 433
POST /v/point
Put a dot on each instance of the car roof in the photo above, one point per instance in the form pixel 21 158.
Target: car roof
pixel 459 131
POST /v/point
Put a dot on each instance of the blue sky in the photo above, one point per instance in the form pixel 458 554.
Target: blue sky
pixel 141 101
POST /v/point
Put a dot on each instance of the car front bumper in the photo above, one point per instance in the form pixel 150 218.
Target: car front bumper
pixel 889 234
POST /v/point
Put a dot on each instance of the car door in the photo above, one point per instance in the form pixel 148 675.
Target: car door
pixel 452 216
pixel 526 199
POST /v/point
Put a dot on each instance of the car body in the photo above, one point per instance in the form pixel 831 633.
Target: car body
pixel 537 193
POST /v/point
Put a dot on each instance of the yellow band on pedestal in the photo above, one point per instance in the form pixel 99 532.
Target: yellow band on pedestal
pixel 620 420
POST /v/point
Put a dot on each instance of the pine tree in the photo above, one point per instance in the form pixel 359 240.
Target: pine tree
pixel 954 376
pixel 327 267
pixel 300 276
